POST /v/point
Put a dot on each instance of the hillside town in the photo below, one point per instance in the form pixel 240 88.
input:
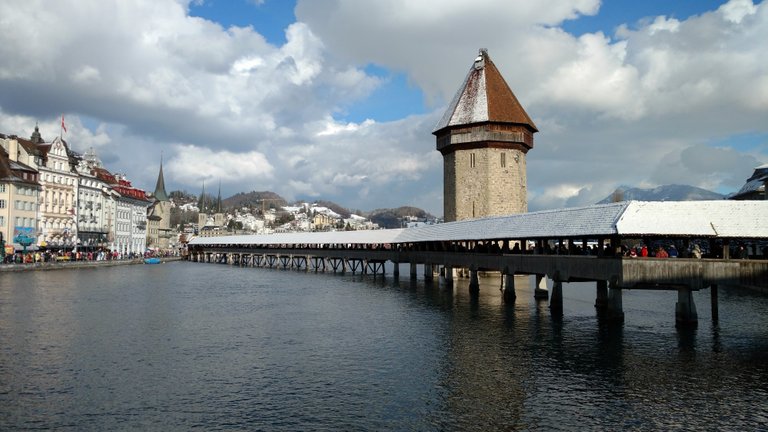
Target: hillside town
pixel 57 204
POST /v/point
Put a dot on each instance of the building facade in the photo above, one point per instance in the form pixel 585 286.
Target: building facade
pixel 59 181
pixel 96 204
pixel 19 195
pixel 484 137
pixel 130 218
pixel 65 201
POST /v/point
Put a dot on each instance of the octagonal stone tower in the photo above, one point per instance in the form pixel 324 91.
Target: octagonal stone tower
pixel 484 136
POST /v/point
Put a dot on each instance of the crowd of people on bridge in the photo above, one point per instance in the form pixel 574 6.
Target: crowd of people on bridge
pixel 641 249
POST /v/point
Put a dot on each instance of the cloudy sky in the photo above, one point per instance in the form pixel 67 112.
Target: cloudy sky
pixel 337 99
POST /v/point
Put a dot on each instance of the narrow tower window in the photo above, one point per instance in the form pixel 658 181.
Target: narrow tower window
pixel 471 160
pixel 503 160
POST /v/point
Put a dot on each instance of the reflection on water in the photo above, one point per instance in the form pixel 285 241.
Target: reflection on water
pixel 200 346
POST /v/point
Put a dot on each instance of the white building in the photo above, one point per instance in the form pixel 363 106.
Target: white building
pixel 131 217
pixel 58 179
pixel 96 205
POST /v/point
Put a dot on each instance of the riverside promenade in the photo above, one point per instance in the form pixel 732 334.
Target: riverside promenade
pixel 62 265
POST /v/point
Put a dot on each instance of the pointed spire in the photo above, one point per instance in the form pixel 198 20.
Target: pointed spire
pixel 484 97
pixel 218 200
pixel 160 194
pixel 201 201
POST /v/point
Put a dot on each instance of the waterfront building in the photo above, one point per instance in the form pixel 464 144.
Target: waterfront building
pixel 59 181
pixel 131 217
pixel 484 137
pixel 96 204
pixel 159 217
pixel 19 192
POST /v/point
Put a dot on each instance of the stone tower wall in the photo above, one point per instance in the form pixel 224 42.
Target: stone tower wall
pixel 486 181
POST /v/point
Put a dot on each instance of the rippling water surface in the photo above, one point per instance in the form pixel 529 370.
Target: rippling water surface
pixel 184 346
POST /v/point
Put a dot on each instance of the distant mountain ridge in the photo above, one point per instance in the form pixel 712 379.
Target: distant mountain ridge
pixel 662 193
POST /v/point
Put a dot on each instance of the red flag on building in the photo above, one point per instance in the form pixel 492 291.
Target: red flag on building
pixel 63 126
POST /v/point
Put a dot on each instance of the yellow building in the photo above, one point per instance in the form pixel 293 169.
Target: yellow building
pixel 322 222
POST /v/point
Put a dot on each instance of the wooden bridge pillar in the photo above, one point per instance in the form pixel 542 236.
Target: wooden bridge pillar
pixel 396 270
pixel 374 266
pixel 355 264
pixel 428 272
pixel 337 264
pixel 474 283
pixel 602 295
pixel 614 310
pixel 685 309
pixel 713 302
pixel 556 299
pixel 413 271
pixel 509 286
pixel 448 275
pixel 540 292
pixel 318 264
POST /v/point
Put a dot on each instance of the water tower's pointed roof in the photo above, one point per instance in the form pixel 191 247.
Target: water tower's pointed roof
pixel 484 97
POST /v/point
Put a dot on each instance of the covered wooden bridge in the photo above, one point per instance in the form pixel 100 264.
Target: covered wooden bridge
pixel 591 243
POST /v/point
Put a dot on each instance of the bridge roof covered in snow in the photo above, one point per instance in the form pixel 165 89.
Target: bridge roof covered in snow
pixel 693 219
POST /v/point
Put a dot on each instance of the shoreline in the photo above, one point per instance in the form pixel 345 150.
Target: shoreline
pixel 77 264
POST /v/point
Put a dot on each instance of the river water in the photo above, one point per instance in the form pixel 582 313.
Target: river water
pixel 186 346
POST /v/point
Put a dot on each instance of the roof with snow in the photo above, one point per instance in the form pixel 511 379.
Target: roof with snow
pixel 484 97
pixel 754 184
pixel 693 219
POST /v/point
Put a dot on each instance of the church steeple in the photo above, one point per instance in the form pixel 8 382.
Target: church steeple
pixel 160 193
pixel 201 201
pixel 218 200
pixel 36 137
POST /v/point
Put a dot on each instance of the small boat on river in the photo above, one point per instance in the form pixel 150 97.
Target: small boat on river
pixel 152 260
